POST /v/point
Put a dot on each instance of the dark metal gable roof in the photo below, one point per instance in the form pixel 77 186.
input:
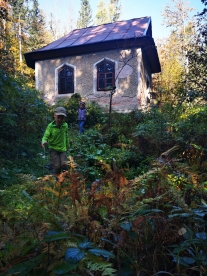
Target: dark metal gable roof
pixel 136 32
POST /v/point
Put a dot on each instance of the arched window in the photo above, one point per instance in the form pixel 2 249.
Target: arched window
pixel 105 75
pixel 65 80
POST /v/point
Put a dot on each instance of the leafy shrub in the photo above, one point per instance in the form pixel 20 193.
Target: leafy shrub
pixel 154 133
pixel 22 117
pixel 95 115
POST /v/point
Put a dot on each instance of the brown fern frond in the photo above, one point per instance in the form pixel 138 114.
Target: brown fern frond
pixel 165 155
pixel 104 166
pixel 68 215
pixel 62 178
pixel 117 177
pixel 77 186
pixel 139 179
pixel 51 190
pixel 48 178
pixel 71 164
pixel 82 212
pixel 121 145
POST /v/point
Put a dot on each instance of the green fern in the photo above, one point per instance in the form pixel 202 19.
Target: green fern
pixel 25 179
pixel 104 267
pixel 71 244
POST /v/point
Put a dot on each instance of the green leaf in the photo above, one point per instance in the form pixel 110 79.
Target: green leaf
pixel 183 215
pixel 74 254
pixel 188 260
pixel 52 232
pixel 101 252
pixel 25 267
pixel 54 236
pixel 10 122
pixel 156 211
pixel 64 268
pixel 163 273
pixel 203 202
pixel 126 226
pixel 201 235
pixel 27 249
pixel 185 261
pixel 85 244
pixel 126 255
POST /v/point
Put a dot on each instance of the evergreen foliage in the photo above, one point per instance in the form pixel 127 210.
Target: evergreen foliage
pixel 85 15
pixel 102 13
pixel 36 28
pixel 170 83
pixel 196 79
pixel 22 117
pixel 20 10
pixel 22 30
pixel 114 9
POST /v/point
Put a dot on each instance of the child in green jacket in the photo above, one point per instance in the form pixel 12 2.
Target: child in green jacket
pixel 56 135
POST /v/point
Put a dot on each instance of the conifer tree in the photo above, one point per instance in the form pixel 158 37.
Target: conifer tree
pixel 36 28
pixel 53 26
pixel 71 22
pixel 85 15
pixel 114 10
pixel 58 25
pixel 102 14
pixel 197 56
pixel 178 17
pixel 170 81
pixel 20 10
pixel 5 30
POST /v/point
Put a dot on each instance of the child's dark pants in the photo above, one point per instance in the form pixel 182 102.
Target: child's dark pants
pixel 58 161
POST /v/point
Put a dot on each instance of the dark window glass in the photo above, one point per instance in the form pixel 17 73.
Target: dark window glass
pixel 105 75
pixel 66 80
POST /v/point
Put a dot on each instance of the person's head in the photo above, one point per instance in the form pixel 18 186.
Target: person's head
pixel 60 114
pixel 82 105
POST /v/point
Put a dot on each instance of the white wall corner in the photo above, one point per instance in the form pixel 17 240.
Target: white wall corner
pixel 139 81
pixel 37 68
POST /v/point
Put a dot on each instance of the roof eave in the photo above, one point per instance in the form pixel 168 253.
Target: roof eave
pixel 146 43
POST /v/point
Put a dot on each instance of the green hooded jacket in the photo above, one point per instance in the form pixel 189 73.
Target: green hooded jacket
pixel 56 137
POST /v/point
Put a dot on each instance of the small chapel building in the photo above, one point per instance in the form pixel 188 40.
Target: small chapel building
pixel 93 61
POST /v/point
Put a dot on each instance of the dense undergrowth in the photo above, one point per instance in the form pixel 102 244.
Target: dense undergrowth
pixel 133 201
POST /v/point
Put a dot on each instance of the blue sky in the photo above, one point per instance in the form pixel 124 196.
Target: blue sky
pixel 130 9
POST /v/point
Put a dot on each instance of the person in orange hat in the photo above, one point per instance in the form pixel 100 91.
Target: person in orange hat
pixel 56 135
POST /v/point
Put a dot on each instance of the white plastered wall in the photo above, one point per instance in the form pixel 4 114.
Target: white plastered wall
pixel 130 82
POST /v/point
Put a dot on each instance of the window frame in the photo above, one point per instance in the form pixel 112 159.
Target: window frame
pixel 65 77
pixel 105 73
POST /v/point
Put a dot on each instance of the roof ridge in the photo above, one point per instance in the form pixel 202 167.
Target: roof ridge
pixel 94 26
pixel 118 30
